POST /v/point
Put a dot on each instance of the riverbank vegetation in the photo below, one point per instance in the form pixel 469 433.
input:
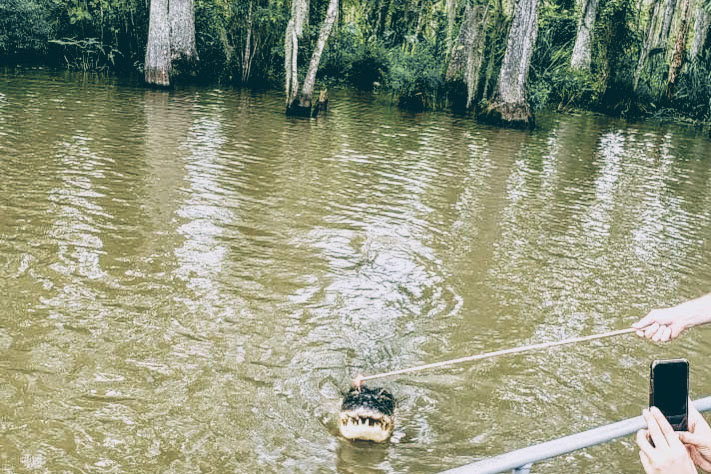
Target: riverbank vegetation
pixel 502 59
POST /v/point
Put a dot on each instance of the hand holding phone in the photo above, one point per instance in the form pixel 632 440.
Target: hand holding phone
pixel 669 391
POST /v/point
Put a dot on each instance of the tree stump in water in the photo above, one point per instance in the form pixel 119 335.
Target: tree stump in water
pixel 505 114
pixel 510 107
pixel 299 107
pixel 322 104
pixel 303 106
pixel 157 63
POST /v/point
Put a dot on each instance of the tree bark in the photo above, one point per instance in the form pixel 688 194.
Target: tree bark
pixel 679 49
pixel 701 32
pixel 663 37
pixel 467 52
pixel 294 31
pixel 157 62
pixel 247 57
pixel 649 40
pixel 182 31
pixel 307 91
pixel 581 51
pixel 451 7
pixel 499 23
pixel 510 107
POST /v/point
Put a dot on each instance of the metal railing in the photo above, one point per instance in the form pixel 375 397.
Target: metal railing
pixel 521 460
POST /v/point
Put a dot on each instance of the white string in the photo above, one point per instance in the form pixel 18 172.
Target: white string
pixel 360 379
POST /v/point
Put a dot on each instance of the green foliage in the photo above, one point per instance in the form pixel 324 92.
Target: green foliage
pixel 415 78
pixel 213 39
pixel 551 81
pixel 113 32
pixel 87 54
pixel 693 93
pixel 397 45
pixel 344 50
pixel 25 27
pixel 370 67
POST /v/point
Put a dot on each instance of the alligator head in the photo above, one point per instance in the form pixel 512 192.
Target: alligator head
pixel 367 414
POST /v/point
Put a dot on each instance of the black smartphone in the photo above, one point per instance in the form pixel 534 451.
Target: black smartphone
pixel 669 390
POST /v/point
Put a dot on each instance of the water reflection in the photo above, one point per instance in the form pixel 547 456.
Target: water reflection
pixel 192 279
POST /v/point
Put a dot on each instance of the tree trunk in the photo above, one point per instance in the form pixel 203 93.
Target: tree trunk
pixel 157 63
pixel 451 7
pixel 467 52
pixel 418 28
pixel 510 107
pixel 679 49
pixel 497 29
pixel 701 32
pixel 294 30
pixel 581 51
pixel 247 57
pixel 669 9
pixel 647 43
pixel 182 32
pixel 307 91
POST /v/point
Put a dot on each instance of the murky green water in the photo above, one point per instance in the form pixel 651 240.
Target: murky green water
pixel 189 279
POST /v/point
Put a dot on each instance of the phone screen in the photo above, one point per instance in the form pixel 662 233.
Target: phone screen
pixel 670 390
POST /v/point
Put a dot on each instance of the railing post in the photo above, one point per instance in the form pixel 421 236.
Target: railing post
pixel 523 469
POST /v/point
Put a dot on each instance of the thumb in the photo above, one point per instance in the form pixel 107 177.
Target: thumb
pixel 645 321
pixel 692 439
pixel 676 329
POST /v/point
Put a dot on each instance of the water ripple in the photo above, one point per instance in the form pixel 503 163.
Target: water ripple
pixel 191 278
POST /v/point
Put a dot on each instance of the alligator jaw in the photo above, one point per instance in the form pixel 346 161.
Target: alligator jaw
pixel 366 424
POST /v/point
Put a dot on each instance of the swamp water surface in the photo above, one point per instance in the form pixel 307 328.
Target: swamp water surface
pixel 188 280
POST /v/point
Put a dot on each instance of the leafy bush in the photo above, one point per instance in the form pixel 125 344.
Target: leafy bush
pixel 693 93
pixel 370 67
pixel 415 78
pixel 213 41
pixel 343 48
pixel 25 27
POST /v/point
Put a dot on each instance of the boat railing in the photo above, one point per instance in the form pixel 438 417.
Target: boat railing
pixel 521 460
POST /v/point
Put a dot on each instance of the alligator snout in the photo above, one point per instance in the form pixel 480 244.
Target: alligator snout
pixel 367 414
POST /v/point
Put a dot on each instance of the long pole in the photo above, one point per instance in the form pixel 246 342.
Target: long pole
pixel 360 379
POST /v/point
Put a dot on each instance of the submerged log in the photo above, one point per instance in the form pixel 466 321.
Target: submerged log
pixel 509 106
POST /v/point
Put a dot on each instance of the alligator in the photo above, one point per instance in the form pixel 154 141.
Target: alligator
pixel 367 414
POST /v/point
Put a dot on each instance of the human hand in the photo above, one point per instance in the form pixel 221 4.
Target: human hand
pixel 667 323
pixel 663 324
pixel 698 439
pixel 668 455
